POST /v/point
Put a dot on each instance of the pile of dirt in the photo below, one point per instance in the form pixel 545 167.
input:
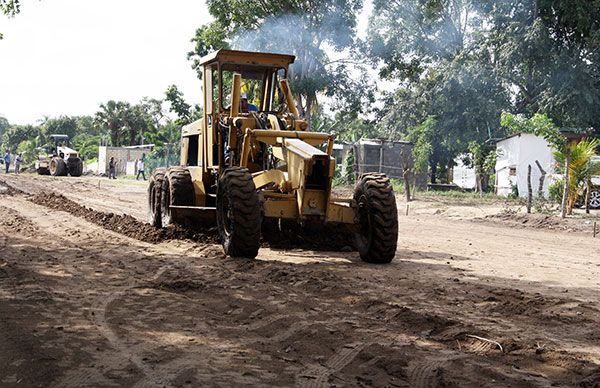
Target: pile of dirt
pixel 537 221
pixel 15 223
pixel 6 189
pixel 124 224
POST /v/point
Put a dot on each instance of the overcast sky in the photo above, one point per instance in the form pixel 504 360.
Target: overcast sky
pixel 65 57
pixel 68 56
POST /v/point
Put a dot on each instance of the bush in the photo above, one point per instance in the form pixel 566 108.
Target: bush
pixel 555 191
pixel 397 185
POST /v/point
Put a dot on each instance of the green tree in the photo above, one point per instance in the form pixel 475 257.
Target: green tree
pixel 10 8
pixel 4 124
pixel 580 167
pixel 436 54
pixel 549 52
pixel 310 30
pixel 62 125
pixel 423 137
pixel 111 118
pixel 29 151
pixel 15 134
pixel 184 111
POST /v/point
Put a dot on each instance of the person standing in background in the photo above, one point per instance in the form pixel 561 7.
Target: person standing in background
pixel 7 159
pixel 18 161
pixel 112 168
pixel 140 169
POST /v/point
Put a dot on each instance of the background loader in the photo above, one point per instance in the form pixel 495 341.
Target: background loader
pixel 59 159
pixel 250 158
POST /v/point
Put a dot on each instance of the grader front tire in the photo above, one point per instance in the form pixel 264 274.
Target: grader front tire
pixel 377 235
pixel 238 213
pixel 177 190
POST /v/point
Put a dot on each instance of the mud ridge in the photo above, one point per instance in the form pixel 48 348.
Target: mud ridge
pixel 124 224
pixel 537 221
pixel 7 189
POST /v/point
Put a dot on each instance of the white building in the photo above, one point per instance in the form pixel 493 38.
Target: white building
pixel 515 153
pixel 463 176
pixel 124 156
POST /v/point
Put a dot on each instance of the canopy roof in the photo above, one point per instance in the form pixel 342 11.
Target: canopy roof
pixel 249 58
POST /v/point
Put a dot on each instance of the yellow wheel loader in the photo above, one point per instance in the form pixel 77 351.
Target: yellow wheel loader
pixel 251 158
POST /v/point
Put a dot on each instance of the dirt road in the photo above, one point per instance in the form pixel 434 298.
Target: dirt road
pixel 466 302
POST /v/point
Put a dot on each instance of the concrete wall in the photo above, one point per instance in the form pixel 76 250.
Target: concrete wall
pixel 514 155
pixel 124 156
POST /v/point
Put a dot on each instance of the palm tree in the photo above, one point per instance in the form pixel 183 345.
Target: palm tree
pixel 111 117
pixel 579 166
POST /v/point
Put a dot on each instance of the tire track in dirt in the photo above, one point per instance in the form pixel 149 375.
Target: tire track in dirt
pixel 317 376
pixel 98 316
pixel 425 374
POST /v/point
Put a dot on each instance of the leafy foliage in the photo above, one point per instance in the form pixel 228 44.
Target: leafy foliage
pixel 10 8
pixel 310 30
pixel 581 167
pixel 538 124
pixel 422 136
pixel 184 111
pixel 466 61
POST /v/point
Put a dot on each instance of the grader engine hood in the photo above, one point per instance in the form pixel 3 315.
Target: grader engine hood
pixel 310 172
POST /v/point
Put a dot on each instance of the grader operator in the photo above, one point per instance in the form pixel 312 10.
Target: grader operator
pixel 240 166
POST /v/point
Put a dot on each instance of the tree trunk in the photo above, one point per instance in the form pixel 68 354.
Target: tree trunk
pixel 406 177
pixel 433 172
pixel 529 190
pixel 479 183
pixel 563 205
pixel 308 113
pixel 588 188
pixel 542 179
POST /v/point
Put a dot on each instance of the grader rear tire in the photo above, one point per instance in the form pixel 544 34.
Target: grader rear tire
pixel 154 195
pixel 377 235
pixel 58 167
pixel 238 213
pixel 178 190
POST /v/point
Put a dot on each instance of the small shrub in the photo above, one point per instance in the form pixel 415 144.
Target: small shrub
pixel 397 185
pixel 514 191
pixel 555 191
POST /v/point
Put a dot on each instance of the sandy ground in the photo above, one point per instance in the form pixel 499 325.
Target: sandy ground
pixel 467 301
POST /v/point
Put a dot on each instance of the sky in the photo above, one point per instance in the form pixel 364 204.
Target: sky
pixel 65 57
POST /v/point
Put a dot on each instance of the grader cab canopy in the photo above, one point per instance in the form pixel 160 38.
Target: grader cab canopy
pixel 251 157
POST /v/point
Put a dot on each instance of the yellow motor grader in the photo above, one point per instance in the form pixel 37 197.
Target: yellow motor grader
pixel 251 158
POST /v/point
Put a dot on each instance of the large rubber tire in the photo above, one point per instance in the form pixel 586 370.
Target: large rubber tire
pixel 377 234
pixel 58 167
pixel 154 195
pixel 76 169
pixel 238 213
pixel 178 190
